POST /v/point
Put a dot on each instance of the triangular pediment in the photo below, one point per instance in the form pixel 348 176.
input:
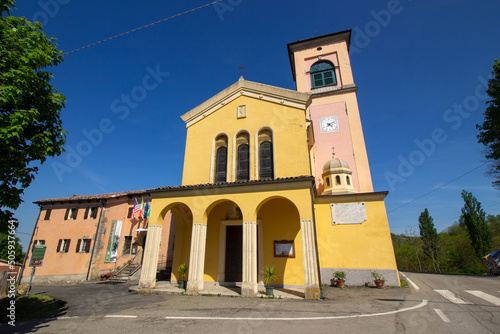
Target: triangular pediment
pixel 252 89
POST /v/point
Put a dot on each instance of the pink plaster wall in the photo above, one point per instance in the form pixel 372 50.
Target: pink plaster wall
pixel 341 140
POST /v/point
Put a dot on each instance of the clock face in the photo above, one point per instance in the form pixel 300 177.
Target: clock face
pixel 329 124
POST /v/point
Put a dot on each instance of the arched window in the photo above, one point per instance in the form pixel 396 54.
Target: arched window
pixel 266 164
pixel 243 172
pixel 242 156
pixel 221 159
pixel 337 180
pixel 327 181
pixel 323 74
pixel 348 179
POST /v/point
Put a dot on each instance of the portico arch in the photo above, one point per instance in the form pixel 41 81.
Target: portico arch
pixel 183 221
pixel 280 222
pixel 224 232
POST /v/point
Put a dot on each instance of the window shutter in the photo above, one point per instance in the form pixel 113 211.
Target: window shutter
pixel 66 214
pixel 66 248
pixel 78 245
pixel 86 215
pixel 323 74
pixel 47 214
pixel 243 172
pixel 328 76
pixel 75 213
pixel 317 80
pixel 87 246
pixel 59 245
pixel 94 212
pixel 221 165
pixel 130 212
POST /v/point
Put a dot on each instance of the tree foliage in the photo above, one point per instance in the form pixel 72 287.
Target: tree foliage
pixel 489 131
pixel 474 218
pixel 16 249
pixel 30 124
pixel 456 253
pixel 430 238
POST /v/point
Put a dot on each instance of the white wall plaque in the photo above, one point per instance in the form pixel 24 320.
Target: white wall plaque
pixel 348 213
pixel 242 111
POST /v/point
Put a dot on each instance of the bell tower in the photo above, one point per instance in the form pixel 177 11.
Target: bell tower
pixel 321 66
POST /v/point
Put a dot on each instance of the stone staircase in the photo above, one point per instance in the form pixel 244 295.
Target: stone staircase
pixel 125 272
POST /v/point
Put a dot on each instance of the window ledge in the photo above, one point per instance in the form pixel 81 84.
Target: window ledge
pixel 325 89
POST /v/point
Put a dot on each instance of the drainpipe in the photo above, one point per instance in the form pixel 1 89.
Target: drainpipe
pixel 20 275
pixel 97 238
pixel 313 187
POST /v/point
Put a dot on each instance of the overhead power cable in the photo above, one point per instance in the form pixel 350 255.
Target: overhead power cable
pixel 146 26
pixel 441 186
pixel 486 207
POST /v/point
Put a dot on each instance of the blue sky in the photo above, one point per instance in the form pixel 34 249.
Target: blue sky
pixel 420 67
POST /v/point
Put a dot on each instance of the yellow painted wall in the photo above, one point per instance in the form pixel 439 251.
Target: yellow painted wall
pixel 281 221
pixel 357 246
pixel 181 243
pixel 289 138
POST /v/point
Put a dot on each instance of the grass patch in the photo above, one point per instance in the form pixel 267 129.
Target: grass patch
pixel 32 307
pixel 404 283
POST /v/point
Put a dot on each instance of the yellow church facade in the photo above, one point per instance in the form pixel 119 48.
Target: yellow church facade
pixel 261 187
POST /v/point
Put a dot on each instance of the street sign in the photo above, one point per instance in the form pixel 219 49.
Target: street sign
pixel 38 252
pixel 36 261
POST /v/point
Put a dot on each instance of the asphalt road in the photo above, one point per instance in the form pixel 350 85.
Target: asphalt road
pixel 105 308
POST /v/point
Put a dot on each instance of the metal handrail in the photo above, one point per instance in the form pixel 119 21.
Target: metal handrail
pixel 127 264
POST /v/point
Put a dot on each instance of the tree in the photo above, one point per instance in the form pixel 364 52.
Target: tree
pixel 30 124
pixel 415 242
pixel 475 220
pixel 489 131
pixel 430 238
pixel 16 250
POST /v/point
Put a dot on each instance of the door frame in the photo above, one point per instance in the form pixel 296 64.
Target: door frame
pixel 221 269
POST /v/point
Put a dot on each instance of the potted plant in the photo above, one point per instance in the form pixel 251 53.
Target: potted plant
pixel 339 277
pixel 378 279
pixel 183 271
pixel 269 276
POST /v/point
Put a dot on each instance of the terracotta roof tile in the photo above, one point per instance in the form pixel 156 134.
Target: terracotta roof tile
pixel 235 183
pixel 185 187
pixel 93 197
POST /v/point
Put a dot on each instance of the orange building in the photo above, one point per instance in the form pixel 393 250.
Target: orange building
pixel 88 236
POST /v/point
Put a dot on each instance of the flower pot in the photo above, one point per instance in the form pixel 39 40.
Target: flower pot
pixel 340 283
pixel 182 284
pixel 269 291
pixel 379 283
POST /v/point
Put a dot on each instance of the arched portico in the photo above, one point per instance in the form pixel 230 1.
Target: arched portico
pixel 262 213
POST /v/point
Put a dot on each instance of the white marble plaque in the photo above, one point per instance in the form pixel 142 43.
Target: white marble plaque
pixel 348 213
pixel 242 111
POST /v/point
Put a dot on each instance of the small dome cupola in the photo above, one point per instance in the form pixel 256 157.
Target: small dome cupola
pixel 337 177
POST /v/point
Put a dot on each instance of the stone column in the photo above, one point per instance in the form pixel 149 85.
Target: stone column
pixel 197 258
pixel 249 286
pixel 310 256
pixel 150 262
